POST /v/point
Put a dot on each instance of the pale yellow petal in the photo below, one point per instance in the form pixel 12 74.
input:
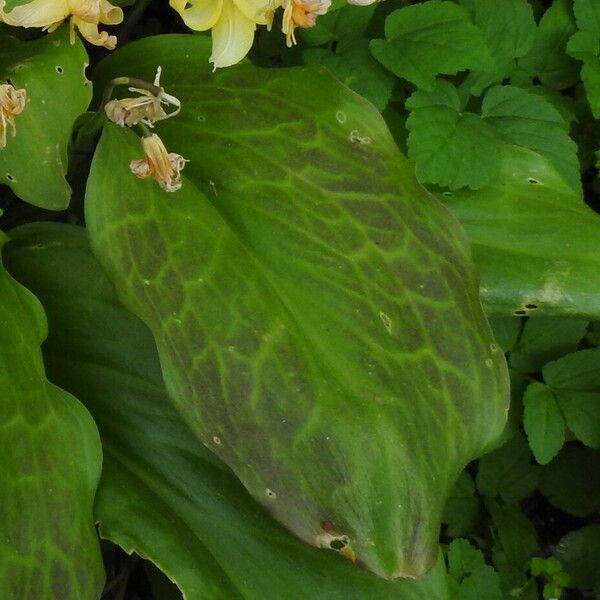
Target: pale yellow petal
pixel 38 13
pixel 232 36
pixel 109 14
pixel 201 14
pixel 90 32
pixel 257 10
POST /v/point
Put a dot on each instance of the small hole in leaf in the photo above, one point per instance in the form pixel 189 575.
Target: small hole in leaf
pixel 338 543
pixel 59 70
pixel 520 312
pixel 531 306
pixel 271 494
pixel 10 177
pixel 447 194
pixel 533 181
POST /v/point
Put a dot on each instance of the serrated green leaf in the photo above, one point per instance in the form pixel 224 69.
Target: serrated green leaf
pixel 51 462
pixel 582 413
pixel 576 371
pixel 509 28
pixel 548 60
pixel 51 70
pixel 354 66
pixel 425 40
pixel 292 342
pixel 571 482
pixel 544 339
pixel 530 121
pixel 463 559
pixel 483 583
pixel 590 74
pixel 507 471
pixel 587 15
pixel 162 494
pixel 450 148
pixel 533 239
pixel 543 422
pixel 580 552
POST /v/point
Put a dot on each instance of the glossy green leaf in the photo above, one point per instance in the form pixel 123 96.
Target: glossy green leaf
pixel 533 239
pixel 315 311
pixel 162 493
pixel 51 70
pixel 543 422
pixel 428 39
pixel 575 371
pixel 582 413
pixel 51 461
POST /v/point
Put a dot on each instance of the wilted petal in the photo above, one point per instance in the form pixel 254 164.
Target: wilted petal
pixel 91 33
pixel 38 13
pixel 201 14
pixel 109 14
pixel 232 36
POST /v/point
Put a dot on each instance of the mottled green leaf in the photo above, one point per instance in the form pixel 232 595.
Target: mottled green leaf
pixel 315 311
pixel 571 482
pixel 428 39
pixel 533 239
pixel 450 147
pixel 543 422
pixel 51 70
pixel 162 493
pixel 51 461
pixel 528 120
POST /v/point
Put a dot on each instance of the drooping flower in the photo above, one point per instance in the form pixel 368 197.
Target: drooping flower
pixel 146 108
pixel 159 164
pixel 301 13
pixel 12 103
pixel 233 23
pixel 85 15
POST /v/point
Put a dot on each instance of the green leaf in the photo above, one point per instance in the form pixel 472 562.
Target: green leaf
pixel 587 15
pixel 543 422
pixel 463 509
pixel 507 471
pixel 293 324
pixel 354 66
pixel 530 121
pixel 483 583
pixel 509 28
pixel 544 339
pixel 51 462
pixel 585 46
pixel 51 70
pixel 162 493
pixel 548 60
pixel 467 566
pixel 506 330
pixel 580 552
pixel 582 413
pixel 425 40
pixel 571 482
pixel 450 148
pixel 576 371
pixel 463 559
pixel 533 240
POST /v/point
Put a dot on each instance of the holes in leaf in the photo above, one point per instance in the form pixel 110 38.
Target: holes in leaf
pixel 271 494
pixel 531 306
pixel 10 178
pixel 447 194
pixel 338 544
pixel 533 181
pixel 59 69
pixel 520 312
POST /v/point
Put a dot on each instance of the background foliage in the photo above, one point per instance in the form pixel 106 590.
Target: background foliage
pixel 496 103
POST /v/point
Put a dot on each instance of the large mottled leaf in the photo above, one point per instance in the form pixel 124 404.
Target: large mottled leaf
pixel 51 461
pixel 51 70
pixel 533 238
pixel 316 312
pixel 162 493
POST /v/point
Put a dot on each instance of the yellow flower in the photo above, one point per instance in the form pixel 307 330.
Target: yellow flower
pixel 85 15
pixel 301 13
pixel 146 108
pixel 12 103
pixel 159 164
pixel 233 23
